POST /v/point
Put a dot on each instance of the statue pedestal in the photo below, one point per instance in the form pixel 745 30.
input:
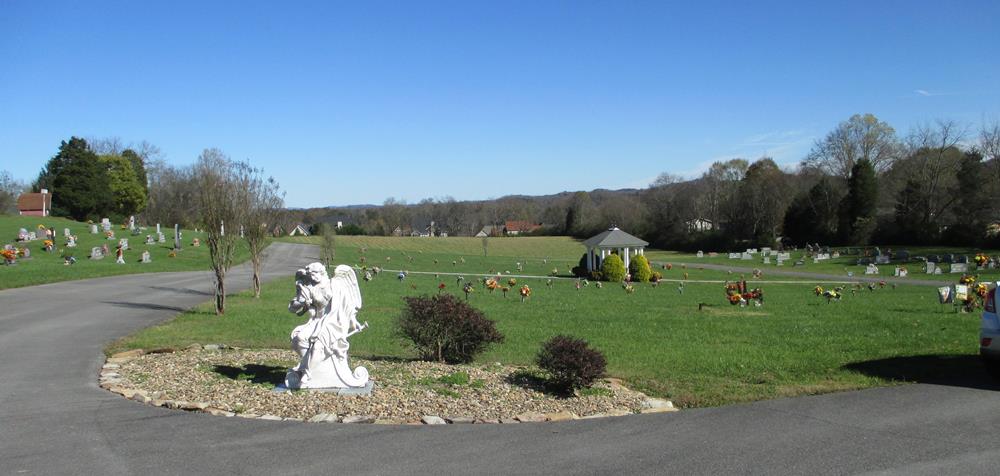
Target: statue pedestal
pixel 366 390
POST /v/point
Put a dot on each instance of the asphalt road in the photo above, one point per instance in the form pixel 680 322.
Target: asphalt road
pixel 55 420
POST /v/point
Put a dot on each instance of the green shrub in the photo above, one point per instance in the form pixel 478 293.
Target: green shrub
pixel 639 267
pixel 570 363
pixel 446 329
pixel 613 268
pixel 656 276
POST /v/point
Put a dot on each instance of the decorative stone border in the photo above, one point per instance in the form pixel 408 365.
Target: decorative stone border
pixel 110 380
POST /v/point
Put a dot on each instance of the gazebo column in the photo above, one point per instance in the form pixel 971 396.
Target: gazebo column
pixel 625 254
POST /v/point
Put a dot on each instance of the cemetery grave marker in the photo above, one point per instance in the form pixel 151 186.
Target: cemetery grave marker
pixel 871 269
pixel 746 256
pixel 701 255
pixel 145 257
pixel 959 268
pixel 930 267
pixel 65 232
pixel 96 253
pixel 734 256
pixel 93 229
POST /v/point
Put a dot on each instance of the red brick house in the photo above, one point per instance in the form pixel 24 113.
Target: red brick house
pixel 35 204
pixel 514 228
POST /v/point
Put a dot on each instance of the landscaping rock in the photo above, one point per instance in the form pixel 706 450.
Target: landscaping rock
pixel 359 419
pixel 128 354
pixel 110 366
pixel 651 403
pixel 531 417
pixel 433 420
pixel 658 410
pixel 248 415
pixel 194 347
pixel 270 417
pixel 561 416
pixel 219 412
pixel 458 420
pixel 212 347
pixel 506 421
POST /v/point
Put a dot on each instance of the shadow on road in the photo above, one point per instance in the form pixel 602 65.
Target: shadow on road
pixel 254 373
pixel 144 305
pixel 183 290
pixel 954 370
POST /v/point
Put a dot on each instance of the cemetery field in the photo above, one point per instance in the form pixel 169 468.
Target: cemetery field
pixel 48 267
pixel 844 264
pixel 656 339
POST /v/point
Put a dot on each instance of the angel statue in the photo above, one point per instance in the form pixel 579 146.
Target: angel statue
pixel 332 305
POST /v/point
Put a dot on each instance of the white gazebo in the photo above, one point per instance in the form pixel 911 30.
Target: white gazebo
pixel 598 247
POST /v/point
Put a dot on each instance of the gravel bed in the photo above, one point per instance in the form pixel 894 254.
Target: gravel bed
pixel 241 382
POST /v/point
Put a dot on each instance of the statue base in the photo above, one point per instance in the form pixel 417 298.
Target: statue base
pixel 347 391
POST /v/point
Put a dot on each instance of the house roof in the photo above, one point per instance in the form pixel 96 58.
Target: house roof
pixel 614 238
pixel 516 225
pixel 34 201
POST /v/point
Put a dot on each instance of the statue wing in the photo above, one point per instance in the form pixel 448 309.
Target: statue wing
pixel 346 281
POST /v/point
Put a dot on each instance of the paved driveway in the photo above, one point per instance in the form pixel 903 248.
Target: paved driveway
pixel 55 420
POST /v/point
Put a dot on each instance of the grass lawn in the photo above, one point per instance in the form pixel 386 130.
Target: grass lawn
pixel 656 339
pixel 43 267
pixel 841 266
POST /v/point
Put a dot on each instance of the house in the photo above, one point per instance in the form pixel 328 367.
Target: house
pixel 299 230
pixel 35 204
pixel 612 240
pixel 488 230
pixel 515 227
pixel 699 224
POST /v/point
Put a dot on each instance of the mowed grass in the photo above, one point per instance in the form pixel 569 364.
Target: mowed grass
pixel 656 339
pixel 43 267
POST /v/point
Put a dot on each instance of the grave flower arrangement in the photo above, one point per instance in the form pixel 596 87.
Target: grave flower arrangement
pixel 48 245
pixel 492 285
pixel 512 282
pixel 981 259
pixel 441 288
pixel 967 279
pixel 9 256
pixel 525 292
pixel 468 289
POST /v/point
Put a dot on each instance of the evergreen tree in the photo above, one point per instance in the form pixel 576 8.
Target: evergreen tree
pixel 812 216
pixel 857 209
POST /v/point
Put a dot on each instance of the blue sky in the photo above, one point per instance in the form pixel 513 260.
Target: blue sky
pixel 347 104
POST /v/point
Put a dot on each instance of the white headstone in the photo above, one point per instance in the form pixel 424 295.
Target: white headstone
pixel 106 224
pixel 930 267
pixel 123 243
pixel 784 256
pixel 765 250
pixel 131 222
pixel 734 256
pixel 746 256
pixel 835 255
pixel 65 231
pixel 157 228
pixel 161 238
pixel 959 268
pixel 96 253
pixel 93 229
pixel 701 255
pixel 145 257
pixel 871 269
pixel 71 241
pixel 767 260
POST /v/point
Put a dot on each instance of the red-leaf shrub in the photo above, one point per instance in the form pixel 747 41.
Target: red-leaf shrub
pixel 446 329
pixel 570 362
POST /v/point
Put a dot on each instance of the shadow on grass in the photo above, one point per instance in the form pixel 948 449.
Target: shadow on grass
pixel 144 305
pixel 254 373
pixel 954 370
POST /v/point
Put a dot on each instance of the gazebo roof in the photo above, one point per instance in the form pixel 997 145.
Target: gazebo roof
pixel 614 238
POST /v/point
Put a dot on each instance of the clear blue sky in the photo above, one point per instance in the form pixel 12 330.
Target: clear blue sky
pixel 348 104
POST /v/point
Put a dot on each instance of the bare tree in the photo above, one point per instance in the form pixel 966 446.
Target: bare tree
pixel 265 201
pixel 860 137
pixel 220 201
pixel 10 189
pixel 328 244
pixel 989 145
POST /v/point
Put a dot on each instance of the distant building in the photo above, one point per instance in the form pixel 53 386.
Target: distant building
pixel 699 224
pixel 35 204
pixel 299 230
pixel 612 240
pixel 515 227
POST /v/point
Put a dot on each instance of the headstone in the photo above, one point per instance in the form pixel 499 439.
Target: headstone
pixel 948 258
pixel 930 267
pixel 123 243
pixel 701 255
pixel 145 257
pixel 961 292
pixel 962 259
pixel 882 259
pixel 959 267
pixel 93 229
pixel 71 241
pixel 106 224
pixel 781 262
pixel 177 236
pixel 149 239
pixel 900 272
pixel 752 250
pixel 767 260
pixel 65 231
pixel 944 295
pixel 822 256
pixel 32 236
pixel 784 256
pixel 871 269
pixel 765 250
pixel 746 256
pixel 734 256
pixel 160 238
pixel 131 222
pixel 712 254
pixel 96 253
pixel 157 228
pixel 835 255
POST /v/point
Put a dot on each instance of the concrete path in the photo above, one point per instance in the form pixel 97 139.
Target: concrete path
pixel 55 420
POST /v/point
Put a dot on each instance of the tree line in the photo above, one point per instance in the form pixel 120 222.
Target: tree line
pixel 861 183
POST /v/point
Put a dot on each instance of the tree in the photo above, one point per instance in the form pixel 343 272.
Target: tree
pixel 857 209
pixel 862 137
pixel 639 268
pixel 172 192
pixel 10 189
pixel 265 204
pixel 81 189
pixel 328 245
pixel 761 210
pixel 812 216
pixel 580 215
pixel 129 194
pixel 220 201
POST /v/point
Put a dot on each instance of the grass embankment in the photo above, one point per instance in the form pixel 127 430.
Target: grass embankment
pixel 656 339
pixel 44 267
pixel 844 264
